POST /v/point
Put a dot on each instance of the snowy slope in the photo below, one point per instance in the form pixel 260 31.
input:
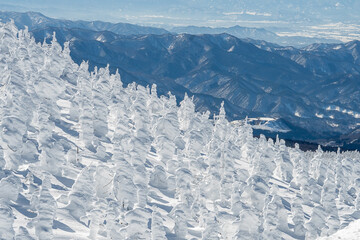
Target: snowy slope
pixel 82 157
pixel 351 232
pixel 252 82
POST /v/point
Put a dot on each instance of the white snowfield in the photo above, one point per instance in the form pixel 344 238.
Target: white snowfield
pixel 351 232
pixel 83 157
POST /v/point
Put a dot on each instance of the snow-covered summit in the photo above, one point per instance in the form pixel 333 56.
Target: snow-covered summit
pixel 83 157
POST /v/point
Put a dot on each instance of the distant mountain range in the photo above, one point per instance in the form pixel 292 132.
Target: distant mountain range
pixel 254 33
pixel 36 20
pixel 310 94
pixel 325 59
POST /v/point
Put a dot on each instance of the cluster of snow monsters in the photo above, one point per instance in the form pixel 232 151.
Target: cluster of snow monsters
pixel 83 157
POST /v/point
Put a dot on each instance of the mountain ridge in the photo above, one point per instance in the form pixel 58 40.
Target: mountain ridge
pixel 267 81
pixel 254 33
pixel 144 48
pixel 37 20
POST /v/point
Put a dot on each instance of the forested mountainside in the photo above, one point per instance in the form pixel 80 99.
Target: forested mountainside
pixel 302 104
pixel 309 94
pixel 82 156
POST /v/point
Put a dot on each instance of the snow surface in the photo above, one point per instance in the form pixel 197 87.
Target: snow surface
pixel 342 110
pixel 82 157
pixel 265 123
pixel 351 232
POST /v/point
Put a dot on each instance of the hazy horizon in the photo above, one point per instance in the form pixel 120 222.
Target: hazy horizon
pixel 331 19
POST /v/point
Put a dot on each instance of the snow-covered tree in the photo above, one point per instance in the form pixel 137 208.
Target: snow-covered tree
pixel 239 185
pixel 46 208
pixel 10 188
pixel 317 223
pixel 114 223
pixel 158 178
pixel 82 194
pixel 298 217
pixel 157 225
pixel 284 166
pixel 213 229
pixel 248 225
pixel 320 166
pixel 119 162
pixel 138 220
pixel 275 216
pixel 101 100
pixel 104 178
pixel 180 228
pixel 344 172
pixel 23 234
pixel 85 106
pixel 328 200
pixel 6 221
